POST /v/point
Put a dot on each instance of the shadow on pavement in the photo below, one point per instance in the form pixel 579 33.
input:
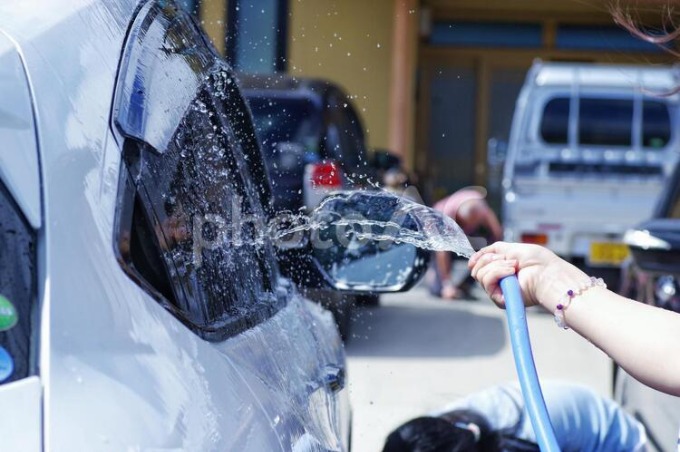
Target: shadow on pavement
pixel 427 331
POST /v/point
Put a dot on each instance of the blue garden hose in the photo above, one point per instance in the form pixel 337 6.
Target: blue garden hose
pixel 526 369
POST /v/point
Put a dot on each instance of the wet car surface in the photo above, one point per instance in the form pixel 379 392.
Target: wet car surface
pixel 138 328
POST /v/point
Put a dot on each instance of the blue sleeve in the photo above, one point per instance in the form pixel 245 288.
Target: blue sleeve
pixel 584 421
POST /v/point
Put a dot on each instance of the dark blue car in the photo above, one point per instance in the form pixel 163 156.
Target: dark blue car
pixel 312 138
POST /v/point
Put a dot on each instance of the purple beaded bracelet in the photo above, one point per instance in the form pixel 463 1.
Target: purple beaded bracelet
pixel 565 301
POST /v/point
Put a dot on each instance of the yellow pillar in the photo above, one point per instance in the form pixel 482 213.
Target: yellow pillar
pixel 402 79
pixel 350 43
pixel 213 14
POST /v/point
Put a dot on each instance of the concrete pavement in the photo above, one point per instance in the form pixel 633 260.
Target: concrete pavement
pixel 415 353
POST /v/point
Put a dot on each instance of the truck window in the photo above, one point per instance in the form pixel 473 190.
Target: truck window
pixel 555 121
pixel 656 124
pixel 605 122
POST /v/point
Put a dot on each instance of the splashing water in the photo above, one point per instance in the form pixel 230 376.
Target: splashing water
pixel 382 216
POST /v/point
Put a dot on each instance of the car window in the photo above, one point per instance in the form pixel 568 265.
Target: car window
pixel 555 121
pixel 346 128
pixel 656 124
pixel 282 120
pixel 17 292
pixel 191 216
pixel 605 122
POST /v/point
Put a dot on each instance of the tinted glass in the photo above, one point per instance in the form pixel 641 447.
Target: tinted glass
pixel 656 124
pixel 605 122
pixel 194 194
pixel 555 121
pixel 17 290
pixel 284 120
pixel 345 130
pixel 197 234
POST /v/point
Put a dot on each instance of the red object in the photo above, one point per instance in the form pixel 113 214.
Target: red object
pixel 537 239
pixel 326 174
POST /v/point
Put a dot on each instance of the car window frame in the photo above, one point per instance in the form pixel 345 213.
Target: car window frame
pixel 127 124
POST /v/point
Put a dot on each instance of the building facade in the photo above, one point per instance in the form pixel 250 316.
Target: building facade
pixel 433 79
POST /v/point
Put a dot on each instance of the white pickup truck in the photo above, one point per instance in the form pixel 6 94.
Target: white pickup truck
pixel 589 151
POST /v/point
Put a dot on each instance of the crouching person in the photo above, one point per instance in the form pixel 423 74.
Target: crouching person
pixel 495 420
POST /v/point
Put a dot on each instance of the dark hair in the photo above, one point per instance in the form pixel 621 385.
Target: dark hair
pixel 460 430
pixel 430 434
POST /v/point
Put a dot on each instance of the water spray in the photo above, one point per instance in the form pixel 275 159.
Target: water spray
pixel 430 229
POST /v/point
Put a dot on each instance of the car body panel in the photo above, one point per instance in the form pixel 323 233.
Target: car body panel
pixel 118 371
pixel 21 429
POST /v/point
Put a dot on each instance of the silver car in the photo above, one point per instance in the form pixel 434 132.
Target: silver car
pixel 141 306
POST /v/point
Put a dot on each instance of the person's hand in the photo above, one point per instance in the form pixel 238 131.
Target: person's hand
pixel 538 269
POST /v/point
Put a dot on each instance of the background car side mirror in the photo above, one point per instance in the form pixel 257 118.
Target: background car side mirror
pixel 349 246
pixel 655 245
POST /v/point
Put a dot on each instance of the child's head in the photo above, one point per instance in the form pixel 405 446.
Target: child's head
pixel 433 434
pixel 456 431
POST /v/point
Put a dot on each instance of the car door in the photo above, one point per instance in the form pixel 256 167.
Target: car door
pixel 20 220
pixel 165 323
pixel 197 206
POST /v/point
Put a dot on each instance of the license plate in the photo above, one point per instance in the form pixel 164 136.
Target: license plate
pixel 607 253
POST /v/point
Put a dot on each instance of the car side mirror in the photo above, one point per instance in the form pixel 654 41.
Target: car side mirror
pixel 350 246
pixel 655 245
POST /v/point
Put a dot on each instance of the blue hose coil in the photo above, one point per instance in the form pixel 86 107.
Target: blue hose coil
pixel 526 369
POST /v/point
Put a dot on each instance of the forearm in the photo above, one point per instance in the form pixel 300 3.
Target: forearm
pixel 642 339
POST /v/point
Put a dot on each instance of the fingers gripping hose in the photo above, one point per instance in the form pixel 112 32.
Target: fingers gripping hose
pixel 526 369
